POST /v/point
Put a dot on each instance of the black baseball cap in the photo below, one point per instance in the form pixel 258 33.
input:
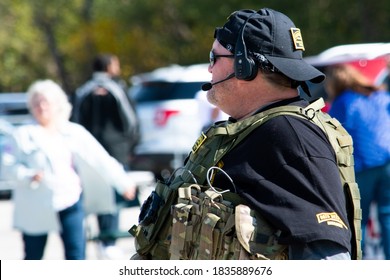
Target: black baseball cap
pixel 274 35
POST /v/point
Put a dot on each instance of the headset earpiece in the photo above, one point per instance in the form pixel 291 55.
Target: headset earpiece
pixel 245 68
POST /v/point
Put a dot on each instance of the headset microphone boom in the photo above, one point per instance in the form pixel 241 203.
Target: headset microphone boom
pixel 208 86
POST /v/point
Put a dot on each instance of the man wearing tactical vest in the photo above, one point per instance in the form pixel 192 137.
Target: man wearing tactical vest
pixel 276 180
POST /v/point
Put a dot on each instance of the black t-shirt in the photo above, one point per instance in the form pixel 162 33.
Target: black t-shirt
pixel 286 170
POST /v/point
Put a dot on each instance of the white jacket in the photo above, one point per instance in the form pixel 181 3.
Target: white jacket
pixel 98 171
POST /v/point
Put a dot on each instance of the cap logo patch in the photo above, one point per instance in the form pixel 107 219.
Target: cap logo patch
pixel 297 39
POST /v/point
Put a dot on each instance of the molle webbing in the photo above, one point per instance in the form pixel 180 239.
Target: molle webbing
pixel 207 225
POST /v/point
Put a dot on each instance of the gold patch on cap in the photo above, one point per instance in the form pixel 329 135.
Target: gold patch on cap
pixel 297 39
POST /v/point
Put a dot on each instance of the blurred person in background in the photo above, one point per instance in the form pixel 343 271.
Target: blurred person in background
pixel 104 109
pixel 364 110
pixel 55 159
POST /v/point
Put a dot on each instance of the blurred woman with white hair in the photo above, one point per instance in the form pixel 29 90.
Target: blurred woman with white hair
pixel 55 158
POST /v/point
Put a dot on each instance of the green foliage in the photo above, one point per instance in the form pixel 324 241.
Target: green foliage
pixel 58 39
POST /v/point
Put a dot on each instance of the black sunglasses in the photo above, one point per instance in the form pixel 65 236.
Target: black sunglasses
pixel 213 57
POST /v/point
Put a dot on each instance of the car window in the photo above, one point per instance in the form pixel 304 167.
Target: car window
pixel 13 104
pixel 160 91
pixel 13 108
pixel 16 110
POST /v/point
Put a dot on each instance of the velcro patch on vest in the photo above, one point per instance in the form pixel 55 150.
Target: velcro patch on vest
pixel 199 142
pixel 332 219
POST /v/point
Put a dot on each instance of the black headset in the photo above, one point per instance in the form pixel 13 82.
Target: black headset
pixel 245 68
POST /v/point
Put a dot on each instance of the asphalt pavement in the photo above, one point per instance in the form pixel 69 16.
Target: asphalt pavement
pixel 11 246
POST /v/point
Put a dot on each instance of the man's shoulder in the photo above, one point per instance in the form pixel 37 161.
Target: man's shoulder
pixel 108 83
pixel 85 87
pixel 91 85
pixel 286 125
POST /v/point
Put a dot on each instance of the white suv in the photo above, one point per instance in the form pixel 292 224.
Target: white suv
pixel 13 112
pixel 169 116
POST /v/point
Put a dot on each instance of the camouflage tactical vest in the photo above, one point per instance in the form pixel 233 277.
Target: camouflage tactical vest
pixel 189 219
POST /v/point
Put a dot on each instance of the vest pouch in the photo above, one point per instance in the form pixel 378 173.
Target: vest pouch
pixel 207 225
pixel 199 221
pixel 257 236
pixel 186 219
pixel 210 235
pixel 216 225
pixel 153 230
